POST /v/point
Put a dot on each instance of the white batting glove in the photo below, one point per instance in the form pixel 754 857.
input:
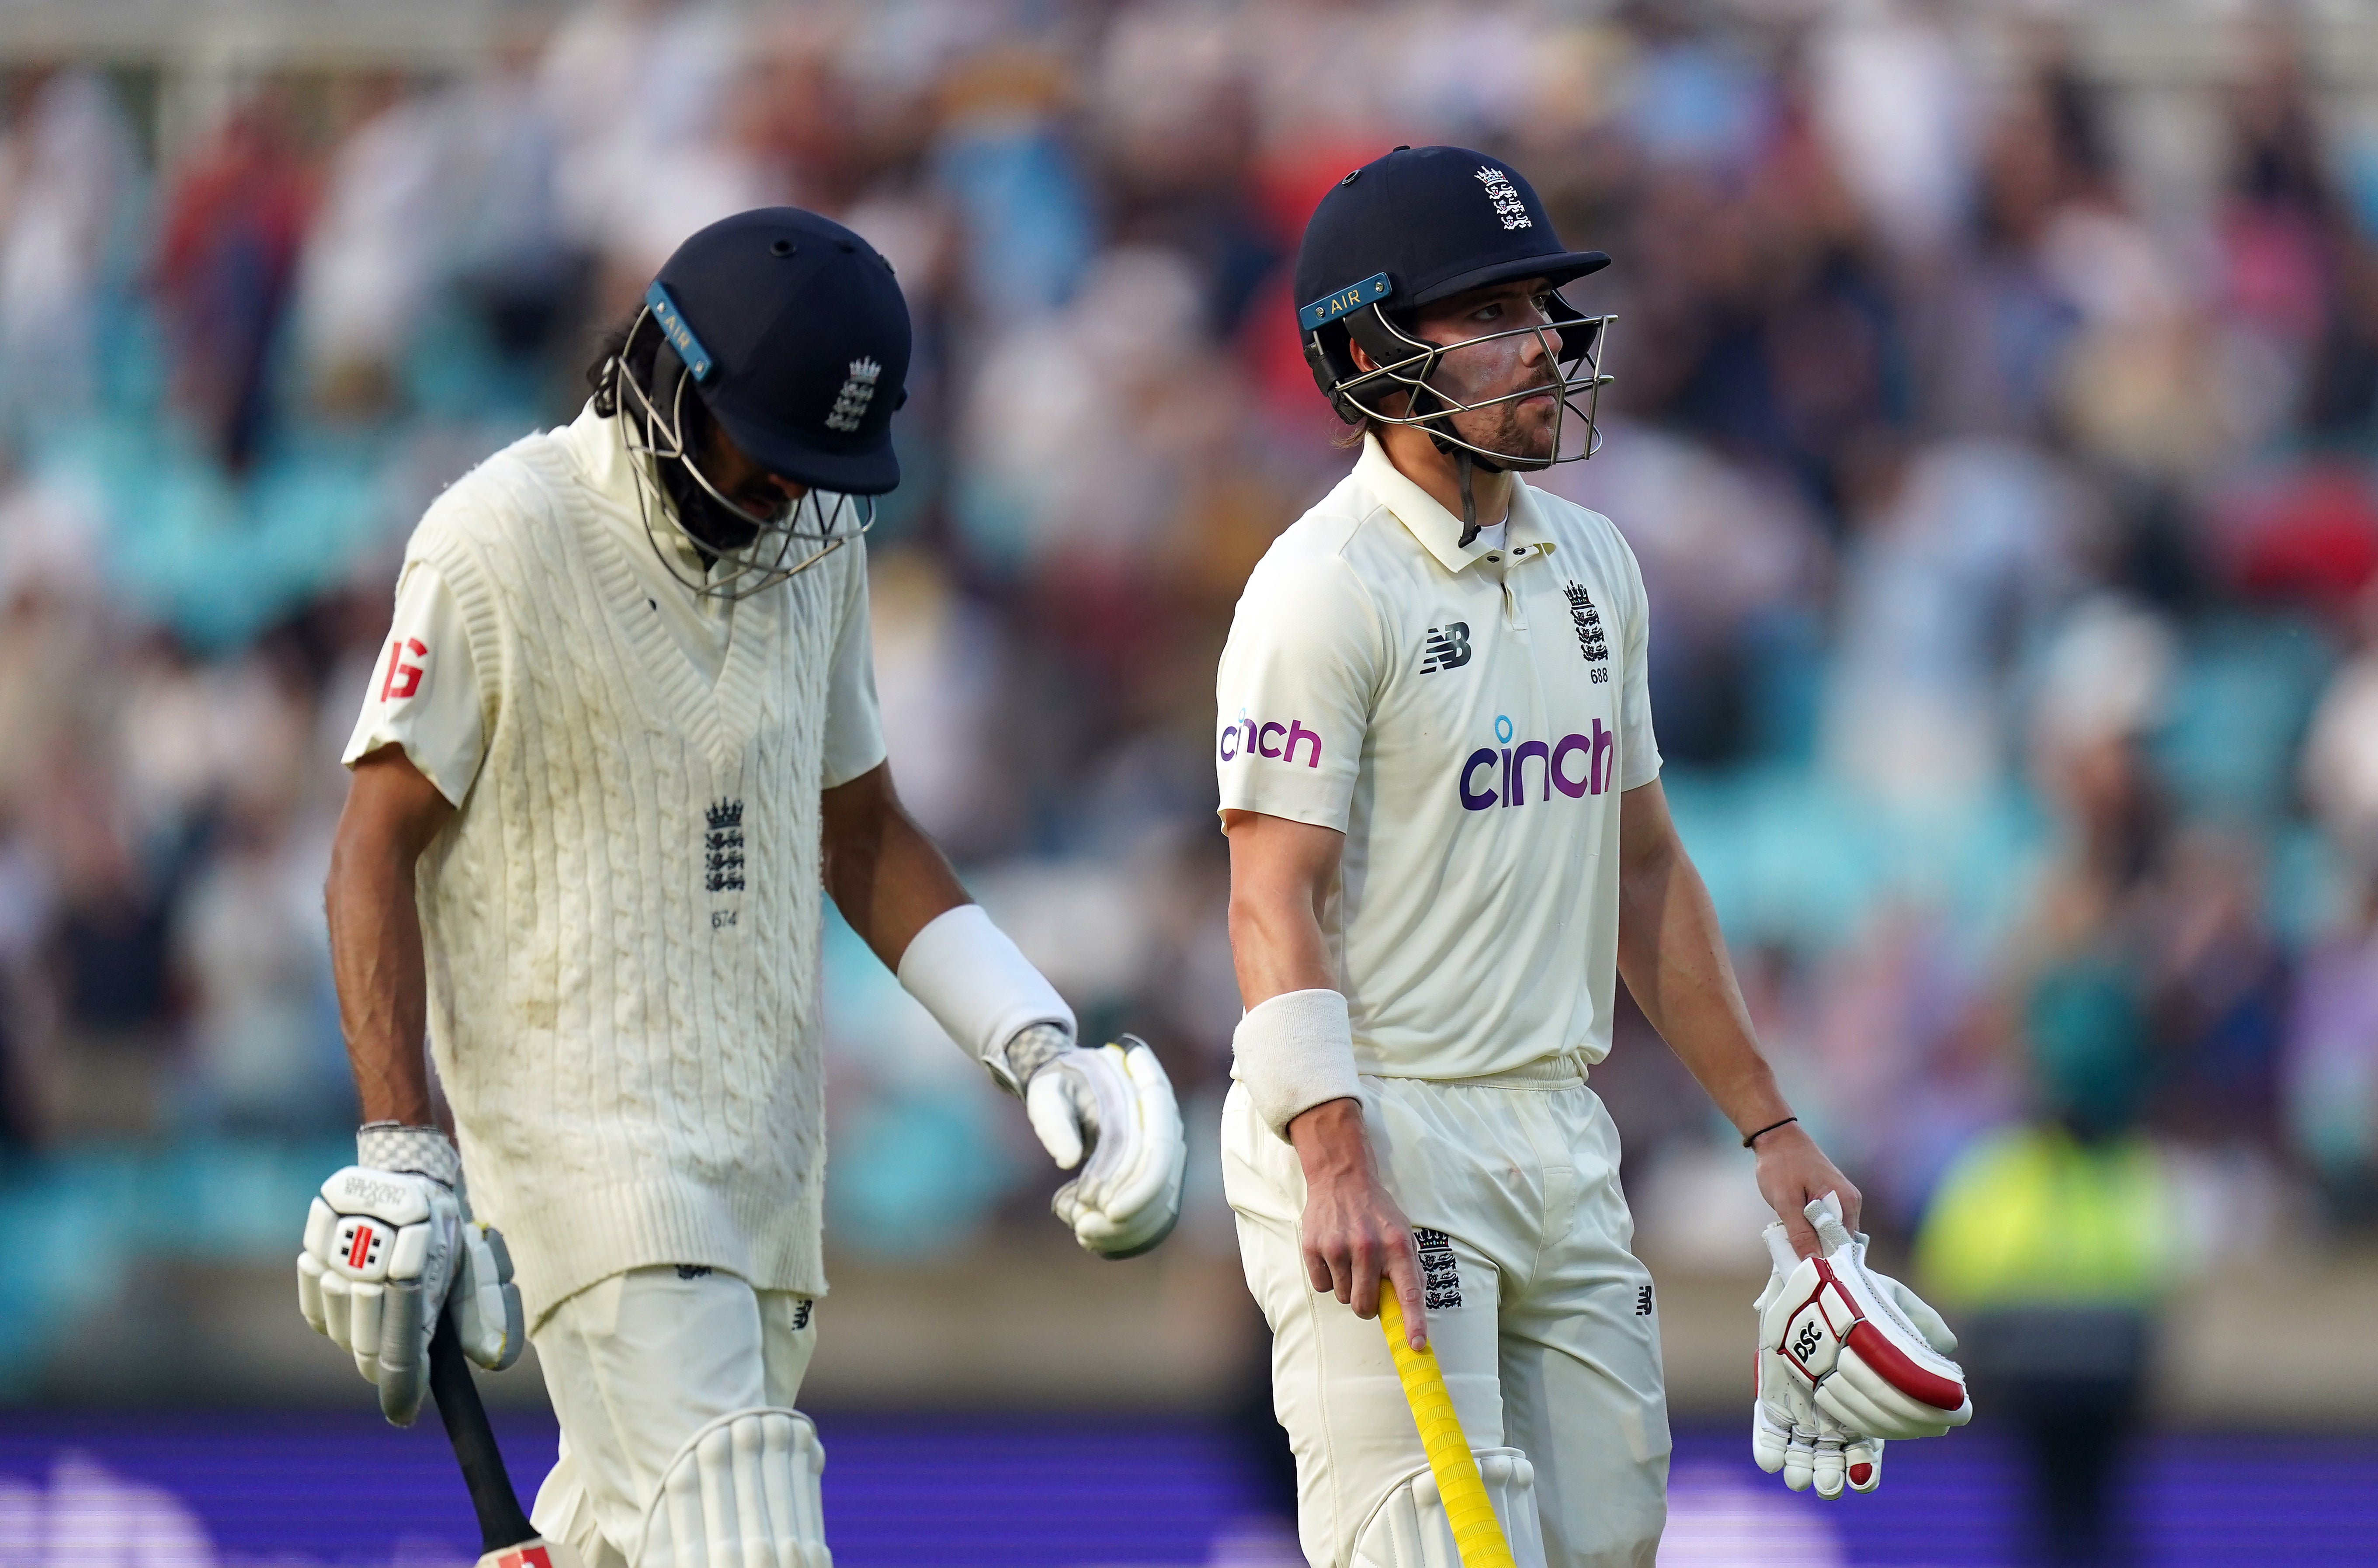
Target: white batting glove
pixel 1115 1104
pixel 1788 1433
pixel 1847 1357
pixel 389 1245
pixel 483 1302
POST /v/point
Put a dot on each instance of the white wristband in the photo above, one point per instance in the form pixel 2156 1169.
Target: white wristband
pixel 1293 1052
pixel 977 984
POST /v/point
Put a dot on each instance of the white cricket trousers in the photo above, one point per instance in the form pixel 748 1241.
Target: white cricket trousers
pixel 635 1365
pixel 1541 1318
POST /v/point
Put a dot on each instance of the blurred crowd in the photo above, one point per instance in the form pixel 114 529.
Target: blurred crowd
pixel 2005 483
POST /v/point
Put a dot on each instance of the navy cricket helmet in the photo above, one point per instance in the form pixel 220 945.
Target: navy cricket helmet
pixel 793 333
pixel 1419 225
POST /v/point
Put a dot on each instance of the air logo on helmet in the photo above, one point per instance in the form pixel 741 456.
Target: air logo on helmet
pixel 697 363
pixel 1322 312
pixel 1506 198
pixel 850 404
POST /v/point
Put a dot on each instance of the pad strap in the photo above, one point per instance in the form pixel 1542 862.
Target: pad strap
pixel 1293 1052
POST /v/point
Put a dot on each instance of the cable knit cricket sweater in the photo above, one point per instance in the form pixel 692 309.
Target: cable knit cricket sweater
pixel 621 920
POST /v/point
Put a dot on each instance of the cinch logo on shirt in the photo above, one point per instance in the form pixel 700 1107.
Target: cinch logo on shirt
pixel 1244 738
pixel 1576 765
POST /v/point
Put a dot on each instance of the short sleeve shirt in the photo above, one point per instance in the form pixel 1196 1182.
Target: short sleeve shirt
pixel 425 695
pixel 1468 718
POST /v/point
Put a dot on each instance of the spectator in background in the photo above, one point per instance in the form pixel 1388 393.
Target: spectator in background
pixel 2004 319
pixel 1896 102
pixel 70 188
pixel 234 221
pixel 2054 1234
pixel 372 250
pixel 2054 1239
pixel 26 1073
pixel 2332 1048
pixel 642 93
pixel 1950 578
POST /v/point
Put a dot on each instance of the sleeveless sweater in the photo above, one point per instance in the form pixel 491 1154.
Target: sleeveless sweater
pixel 621 921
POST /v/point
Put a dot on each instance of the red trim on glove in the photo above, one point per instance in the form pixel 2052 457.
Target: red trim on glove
pixel 1902 1373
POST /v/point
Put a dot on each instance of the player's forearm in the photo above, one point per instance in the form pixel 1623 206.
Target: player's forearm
pixel 1276 945
pixel 1674 959
pixel 1279 873
pixel 886 875
pixel 392 813
pixel 383 996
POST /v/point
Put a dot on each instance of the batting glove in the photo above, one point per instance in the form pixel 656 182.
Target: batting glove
pixel 1847 1359
pixel 1788 1433
pixel 390 1243
pixel 1116 1105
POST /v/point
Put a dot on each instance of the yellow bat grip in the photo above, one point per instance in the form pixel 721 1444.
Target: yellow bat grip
pixel 1477 1534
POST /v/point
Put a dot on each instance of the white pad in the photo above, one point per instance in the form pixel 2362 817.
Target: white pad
pixel 979 985
pixel 1128 1196
pixel 1410 1529
pixel 741 1493
pixel 1294 1051
pixel 1849 1338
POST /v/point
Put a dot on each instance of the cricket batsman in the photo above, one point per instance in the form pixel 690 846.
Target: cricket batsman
pixel 624 735
pixel 1448 838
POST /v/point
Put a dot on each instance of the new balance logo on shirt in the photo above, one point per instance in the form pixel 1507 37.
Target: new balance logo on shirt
pixel 1447 648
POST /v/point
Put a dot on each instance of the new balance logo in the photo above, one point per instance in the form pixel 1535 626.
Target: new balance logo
pixel 1644 1302
pixel 1447 648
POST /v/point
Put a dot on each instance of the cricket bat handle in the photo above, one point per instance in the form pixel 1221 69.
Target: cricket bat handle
pixel 1477 1534
pixel 501 1523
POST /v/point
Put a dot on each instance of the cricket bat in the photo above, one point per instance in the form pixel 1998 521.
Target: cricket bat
pixel 1477 1534
pixel 507 1540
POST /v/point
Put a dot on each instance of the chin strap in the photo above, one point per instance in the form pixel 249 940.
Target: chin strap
pixel 1466 464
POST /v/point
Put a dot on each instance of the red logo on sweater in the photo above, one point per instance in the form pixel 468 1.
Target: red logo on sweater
pixel 402 679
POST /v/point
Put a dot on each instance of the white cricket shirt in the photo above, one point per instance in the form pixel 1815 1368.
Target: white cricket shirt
pixel 425 692
pixel 1467 719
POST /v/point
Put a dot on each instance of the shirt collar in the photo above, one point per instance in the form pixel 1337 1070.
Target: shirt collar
pixel 1438 530
pixel 599 445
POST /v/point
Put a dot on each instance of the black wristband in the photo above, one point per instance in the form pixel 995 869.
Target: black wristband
pixel 1750 1138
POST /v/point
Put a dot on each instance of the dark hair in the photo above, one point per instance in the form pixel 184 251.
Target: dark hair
pixel 613 350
